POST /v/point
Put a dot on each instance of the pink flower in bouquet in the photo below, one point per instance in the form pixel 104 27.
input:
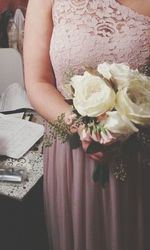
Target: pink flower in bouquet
pixel 95 136
pixel 70 118
pixel 84 133
pixel 107 138
pixel 101 137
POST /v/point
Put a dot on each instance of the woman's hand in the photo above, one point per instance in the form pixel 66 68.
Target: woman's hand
pixel 97 156
pixel 92 145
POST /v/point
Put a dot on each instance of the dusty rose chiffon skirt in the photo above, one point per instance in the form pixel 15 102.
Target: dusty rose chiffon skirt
pixel 80 215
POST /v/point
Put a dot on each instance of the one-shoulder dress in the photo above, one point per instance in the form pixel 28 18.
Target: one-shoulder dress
pixel 80 215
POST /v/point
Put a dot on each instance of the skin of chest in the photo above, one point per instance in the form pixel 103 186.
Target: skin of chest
pixel 140 6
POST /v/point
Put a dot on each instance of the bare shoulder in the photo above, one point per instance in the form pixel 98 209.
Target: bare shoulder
pixel 138 6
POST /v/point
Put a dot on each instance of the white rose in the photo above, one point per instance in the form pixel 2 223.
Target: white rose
pixel 104 69
pixel 134 101
pixel 120 74
pixel 119 124
pixel 92 96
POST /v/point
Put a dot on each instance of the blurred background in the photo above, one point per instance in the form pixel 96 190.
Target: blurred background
pixel 12 14
pixel 22 224
pixel 12 5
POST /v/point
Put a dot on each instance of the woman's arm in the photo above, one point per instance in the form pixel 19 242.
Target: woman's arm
pixel 39 77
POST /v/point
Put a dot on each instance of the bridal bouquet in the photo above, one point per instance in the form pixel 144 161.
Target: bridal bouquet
pixel 109 104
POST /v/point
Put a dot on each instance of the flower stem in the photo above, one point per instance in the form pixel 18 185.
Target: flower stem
pixel 101 173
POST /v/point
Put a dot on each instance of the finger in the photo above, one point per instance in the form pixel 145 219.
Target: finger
pixel 99 156
pixel 93 157
pixel 85 145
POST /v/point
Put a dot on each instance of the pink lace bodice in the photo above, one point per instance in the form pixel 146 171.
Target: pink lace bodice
pixel 93 31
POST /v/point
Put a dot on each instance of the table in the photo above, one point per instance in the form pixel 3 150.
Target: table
pixel 22 217
pixel 32 161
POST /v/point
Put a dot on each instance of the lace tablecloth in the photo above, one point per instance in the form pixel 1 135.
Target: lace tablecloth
pixel 32 162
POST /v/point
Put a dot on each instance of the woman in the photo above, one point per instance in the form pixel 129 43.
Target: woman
pixel 79 214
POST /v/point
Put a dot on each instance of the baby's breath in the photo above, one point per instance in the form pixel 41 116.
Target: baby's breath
pixel 57 129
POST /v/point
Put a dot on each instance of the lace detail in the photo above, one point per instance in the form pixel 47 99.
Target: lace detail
pixel 93 31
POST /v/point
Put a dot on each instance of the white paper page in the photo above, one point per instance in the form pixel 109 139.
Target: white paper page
pixel 14 97
pixel 17 115
pixel 17 136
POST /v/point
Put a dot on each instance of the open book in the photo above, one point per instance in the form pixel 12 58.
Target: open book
pixel 17 136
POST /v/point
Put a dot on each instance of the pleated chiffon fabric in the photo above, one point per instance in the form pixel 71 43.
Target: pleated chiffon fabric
pixel 80 215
